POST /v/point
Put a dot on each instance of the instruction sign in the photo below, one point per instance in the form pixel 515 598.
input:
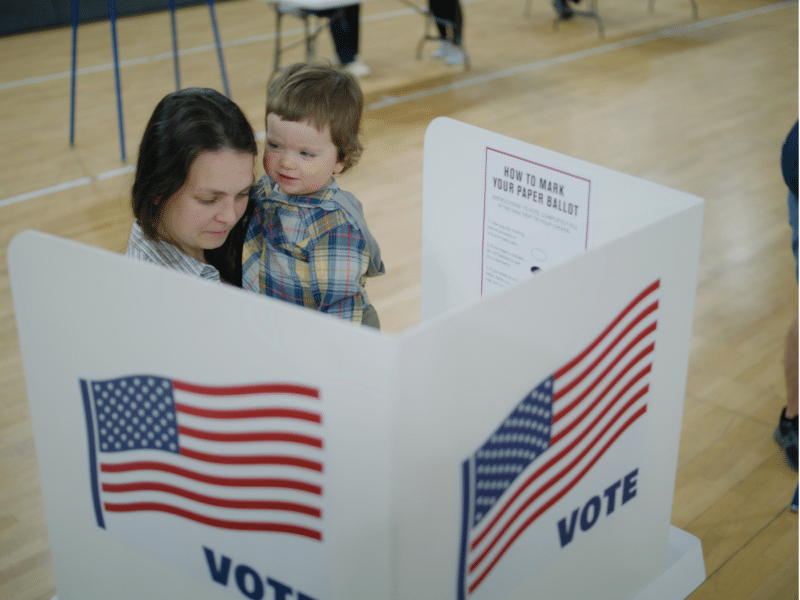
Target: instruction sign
pixel 535 216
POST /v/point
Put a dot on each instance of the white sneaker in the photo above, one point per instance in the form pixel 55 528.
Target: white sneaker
pixel 455 55
pixel 442 50
pixel 357 68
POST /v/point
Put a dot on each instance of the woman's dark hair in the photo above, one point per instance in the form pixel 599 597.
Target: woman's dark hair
pixel 184 124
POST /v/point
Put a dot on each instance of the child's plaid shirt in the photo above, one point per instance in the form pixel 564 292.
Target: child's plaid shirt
pixel 310 250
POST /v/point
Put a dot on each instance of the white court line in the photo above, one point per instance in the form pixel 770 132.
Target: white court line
pixel 556 60
pixel 67 185
pixel 534 66
pixel 194 50
pixel 142 60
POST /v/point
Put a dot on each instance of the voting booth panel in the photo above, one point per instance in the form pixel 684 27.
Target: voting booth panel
pixel 210 520
pixel 628 292
pixel 604 342
pixel 196 440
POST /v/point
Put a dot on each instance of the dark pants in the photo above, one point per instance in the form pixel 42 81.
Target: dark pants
pixel 344 24
pixel 448 10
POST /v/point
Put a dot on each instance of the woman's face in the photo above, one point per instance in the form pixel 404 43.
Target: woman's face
pixel 210 202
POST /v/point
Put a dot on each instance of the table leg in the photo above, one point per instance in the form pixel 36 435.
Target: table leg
pixel 175 45
pixel 74 19
pixel 277 58
pixel 112 16
pixel 219 48
pixel 309 38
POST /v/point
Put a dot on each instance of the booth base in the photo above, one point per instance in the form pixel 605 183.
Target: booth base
pixel 684 572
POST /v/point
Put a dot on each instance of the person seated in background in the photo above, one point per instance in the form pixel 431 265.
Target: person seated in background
pixel 193 178
pixel 307 241
pixel 450 23
pixel 345 30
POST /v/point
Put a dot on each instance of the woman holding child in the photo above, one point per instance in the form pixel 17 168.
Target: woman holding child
pixel 307 241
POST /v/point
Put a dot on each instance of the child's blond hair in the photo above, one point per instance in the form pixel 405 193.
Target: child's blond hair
pixel 321 95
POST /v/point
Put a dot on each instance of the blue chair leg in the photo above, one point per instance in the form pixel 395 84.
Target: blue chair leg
pixel 175 45
pixel 219 47
pixel 112 15
pixel 74 19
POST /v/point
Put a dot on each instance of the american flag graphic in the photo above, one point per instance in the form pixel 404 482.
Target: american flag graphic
pixel 246 458
pixel 554 437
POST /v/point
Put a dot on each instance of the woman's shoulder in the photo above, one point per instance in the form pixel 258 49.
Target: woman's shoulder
pixel 157 252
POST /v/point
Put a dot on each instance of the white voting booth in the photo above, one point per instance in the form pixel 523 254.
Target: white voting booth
pixel 198 441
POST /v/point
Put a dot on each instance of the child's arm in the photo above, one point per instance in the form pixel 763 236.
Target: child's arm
pixel 253 243
pixel 338 264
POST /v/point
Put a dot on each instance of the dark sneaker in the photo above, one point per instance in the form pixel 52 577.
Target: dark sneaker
pixel 786 437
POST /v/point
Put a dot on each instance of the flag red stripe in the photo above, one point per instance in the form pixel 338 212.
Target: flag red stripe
pixel 636 359
pixel 648 290
pixel 639 318
pixel 563 391
pixel 220 459
pixel 221 523
pixel 544 467
pixel 250 413
pixel 239 390
pixel 553 480
pixel 153 486
pixel 268 482
pixel 250 436
pixel 557 497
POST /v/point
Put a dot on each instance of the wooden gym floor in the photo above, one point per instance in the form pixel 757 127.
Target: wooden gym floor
pixel 701 106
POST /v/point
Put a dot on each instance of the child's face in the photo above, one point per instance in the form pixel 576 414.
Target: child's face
pixel 201 214
pixel 300 157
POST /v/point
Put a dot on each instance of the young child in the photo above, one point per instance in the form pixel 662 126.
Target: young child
pixel 308 241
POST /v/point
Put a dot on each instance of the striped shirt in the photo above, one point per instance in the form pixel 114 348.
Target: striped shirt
pixel 158 252
pixel 315 251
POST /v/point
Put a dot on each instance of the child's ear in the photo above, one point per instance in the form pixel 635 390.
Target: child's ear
pixel 339 167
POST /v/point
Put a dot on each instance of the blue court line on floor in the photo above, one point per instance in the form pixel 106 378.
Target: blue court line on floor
pixel 472 81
